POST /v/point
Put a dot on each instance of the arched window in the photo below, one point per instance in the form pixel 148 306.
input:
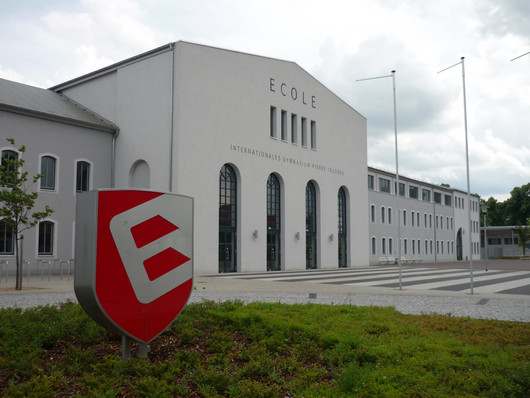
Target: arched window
pixel 47 169
pixel 342 228
pixel 227 219
pixel 273 224
pixel 6 239
pixel 311 225
pixel 82 179
pixel 46 238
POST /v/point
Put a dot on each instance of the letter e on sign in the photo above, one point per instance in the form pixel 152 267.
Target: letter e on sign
pixel 134 259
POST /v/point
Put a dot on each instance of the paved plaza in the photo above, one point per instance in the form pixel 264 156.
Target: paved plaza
pixel 502 292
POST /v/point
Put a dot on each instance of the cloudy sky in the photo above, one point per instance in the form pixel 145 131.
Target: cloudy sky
pixel 45 42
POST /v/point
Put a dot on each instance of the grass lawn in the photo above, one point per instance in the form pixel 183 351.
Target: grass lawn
pixel 266 350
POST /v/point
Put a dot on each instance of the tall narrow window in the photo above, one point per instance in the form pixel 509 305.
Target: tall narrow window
pixel 47 169
pixel 390 215
pixel 82 181
pixel 273 128
pixel 383 246
pixel 342 228
pixel 294 128
pixel 227 219
pixel 273 224
pixel 7 156
pixel 389 245
pixel 372 213
pixel 46 229
pixel 6 239
pixel 313 134
pixel 311 225
pixel 283 125
pixel 304 132
pixel 373 246
pixel 383 214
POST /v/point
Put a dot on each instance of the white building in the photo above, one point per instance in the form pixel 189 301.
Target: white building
pixel 433 222
pixel 275 161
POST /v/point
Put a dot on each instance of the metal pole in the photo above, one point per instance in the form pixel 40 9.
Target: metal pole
pixel 470 229
pixel 397 178
pixel 398 212
pixel 468 186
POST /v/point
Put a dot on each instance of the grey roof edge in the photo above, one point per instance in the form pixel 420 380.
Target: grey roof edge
pixel 104 126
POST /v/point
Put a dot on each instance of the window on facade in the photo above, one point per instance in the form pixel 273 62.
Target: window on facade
pixel 412 218
pixel 426 246
pixel 405 218
pixel 46 229
pixel 82 180
pixel 448 200
pixel 383 246
pixel 383 214
pixel 273 131
pixel 227 219
pixel 373 246
pixel 304 132
pixel 294 128
pixel 413 192
pixel 313 134
pixel 273 203
pixel 370 182
pixel 413 246
pixel 372 213
pixel 438 198
pixel 390 215
pixel 426 195
pixel 47 169
pixel 390 246
pixel 405 247
pixel 425 220
pixel 8 155
pixel 401 189
pixel 384 185
pixel 283 125
pixel 6 239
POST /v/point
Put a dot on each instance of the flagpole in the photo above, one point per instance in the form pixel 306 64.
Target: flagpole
pixel 398 211
pixel 469 225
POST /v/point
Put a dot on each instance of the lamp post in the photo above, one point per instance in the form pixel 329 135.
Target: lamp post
pixel 470 229
pixel 484 211
pixel 393 76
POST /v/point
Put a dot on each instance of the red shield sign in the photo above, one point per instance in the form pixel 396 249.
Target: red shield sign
pixel 137 275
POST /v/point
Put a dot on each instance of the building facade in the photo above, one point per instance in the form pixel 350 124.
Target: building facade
pixel 433 220
pixel 70 147
pixel 276 163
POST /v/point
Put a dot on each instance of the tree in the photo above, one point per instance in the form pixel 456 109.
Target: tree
pixel 17 202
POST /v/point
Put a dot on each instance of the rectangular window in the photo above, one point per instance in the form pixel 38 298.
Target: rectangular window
pixel 6 239
pixel 448 200
pixel 294 129
pixel 426 195
pixel 47 169
pixel 438 198
pixel 283 125
pixel 389 215
pixel 401 189
pixel 82 177
pixel 46 238
pixel 384 185
pixel 313 134
pixel 413 192
pixel 371 182
pixel 273 132
pixel 304 132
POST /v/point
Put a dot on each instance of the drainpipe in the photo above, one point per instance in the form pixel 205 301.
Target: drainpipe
pixel 113 159
pixel 171 115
